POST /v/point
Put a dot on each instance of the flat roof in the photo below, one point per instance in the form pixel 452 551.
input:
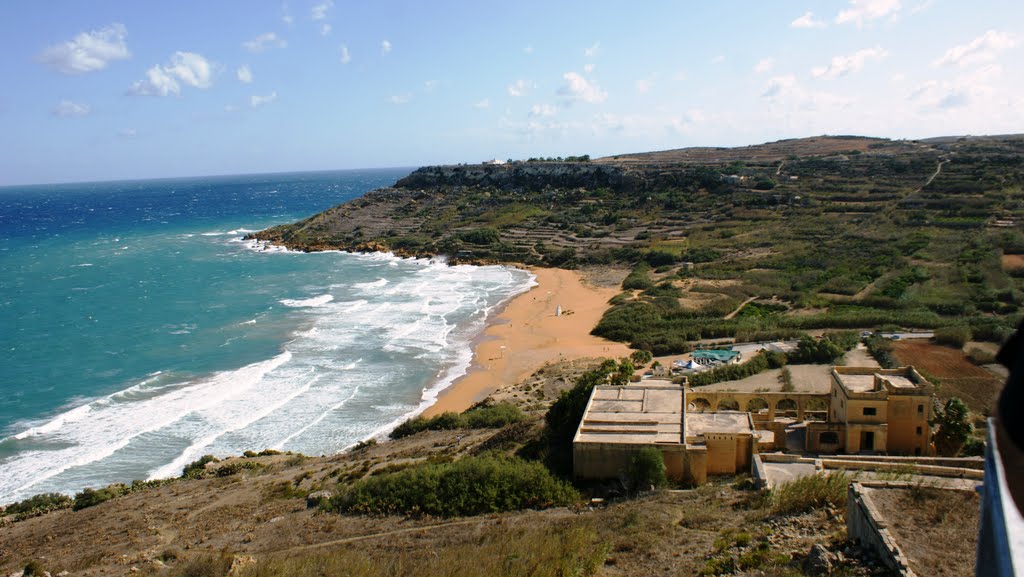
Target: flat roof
pixel 634 414
pixel 866 382
pixel 716 354
pixel 720 422
pixel 858 383
pixel 900 382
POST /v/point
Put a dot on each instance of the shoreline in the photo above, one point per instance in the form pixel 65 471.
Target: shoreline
pixel 526 334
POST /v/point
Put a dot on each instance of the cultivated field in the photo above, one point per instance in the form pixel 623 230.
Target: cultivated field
pixel 956 375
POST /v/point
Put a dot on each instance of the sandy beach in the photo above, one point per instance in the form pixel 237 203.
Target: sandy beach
pixel 527 334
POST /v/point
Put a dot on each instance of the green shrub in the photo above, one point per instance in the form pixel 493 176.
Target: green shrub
pixel 758 364
pixel 41 503
pixel 197 468
pixel 479 417
pixel 638 279
pixel 980 356
pixel 480 236
pixel 881 349
pixel 90 497
pixel 811 492
pixel 471 486
pixel 955 336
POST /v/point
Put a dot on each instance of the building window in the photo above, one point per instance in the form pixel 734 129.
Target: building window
pixel 919 431
pixel 920 409
pixel 917 451
pixel 870 411
pixel 828 438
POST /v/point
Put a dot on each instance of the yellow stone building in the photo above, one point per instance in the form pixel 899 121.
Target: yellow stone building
pixel 872 409
pixel 619 421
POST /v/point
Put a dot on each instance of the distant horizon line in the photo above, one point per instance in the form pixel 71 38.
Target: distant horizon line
pixel 415 166
pixel 195 176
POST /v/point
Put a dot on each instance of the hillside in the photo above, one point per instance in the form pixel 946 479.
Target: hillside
pixel 814 233
pixel 251 516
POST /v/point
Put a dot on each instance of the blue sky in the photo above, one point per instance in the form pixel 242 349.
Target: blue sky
pixel 113 89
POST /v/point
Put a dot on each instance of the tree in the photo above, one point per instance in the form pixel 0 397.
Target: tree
pixel 623 373
pixel 646 470
pixel 954 428
pixel 641 358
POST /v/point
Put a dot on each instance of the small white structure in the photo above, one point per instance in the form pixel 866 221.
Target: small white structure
pixel 495 161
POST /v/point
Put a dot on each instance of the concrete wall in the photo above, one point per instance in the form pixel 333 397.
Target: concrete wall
pixel 609 460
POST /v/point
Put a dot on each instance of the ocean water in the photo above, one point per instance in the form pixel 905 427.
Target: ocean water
pixel 138 331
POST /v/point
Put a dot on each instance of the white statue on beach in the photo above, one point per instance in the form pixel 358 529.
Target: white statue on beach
pixel 558 311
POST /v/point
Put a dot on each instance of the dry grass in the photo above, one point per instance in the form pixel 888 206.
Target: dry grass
pixel 936 528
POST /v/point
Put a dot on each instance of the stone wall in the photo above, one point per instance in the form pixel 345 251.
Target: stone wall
pixel 864 524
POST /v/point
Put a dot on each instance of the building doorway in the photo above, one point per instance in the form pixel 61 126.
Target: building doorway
pixel 867 441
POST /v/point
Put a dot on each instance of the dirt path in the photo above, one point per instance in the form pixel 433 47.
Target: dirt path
pixel 739 308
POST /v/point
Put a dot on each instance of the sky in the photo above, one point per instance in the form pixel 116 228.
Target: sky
pixel 122 89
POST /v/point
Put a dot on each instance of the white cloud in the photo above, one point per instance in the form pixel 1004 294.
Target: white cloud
pixel 807 21
pixel 528 49
pixel 520 87
pixel 400 98
pixel 593 50
pixel 588 68
pixel 288 20
pixel 186 68
pixel 485 103
pixel 385 47
pixel 577 87
pixel 764 65
pixel 960 92
pixel 843 65
pixel 922 6
pixel 319 11
pixel 429 85
pixel 784 93
pixel 264 41
pixel 257 100
pixel 861 11
pixel 244 74
pixel 325 29
pixel 230 108
pixel 345 57
pixel 644 85
pixel 538 110
pixel 778 85
pixel 984 48
pixel 718 59
pixel 127 133
pixel 89 51
pixel 68 108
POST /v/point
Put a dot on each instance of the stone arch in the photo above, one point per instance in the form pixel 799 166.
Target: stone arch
pixel 699 405
pixel 785 406
pixel 728 404
pixel 756 404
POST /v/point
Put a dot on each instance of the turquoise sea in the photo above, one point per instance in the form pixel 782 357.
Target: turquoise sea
pixel 138 331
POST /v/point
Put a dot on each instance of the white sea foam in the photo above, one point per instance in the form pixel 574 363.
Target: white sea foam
pixel 370 285
pixel 310 302
pixel 362 362
pixel 75 441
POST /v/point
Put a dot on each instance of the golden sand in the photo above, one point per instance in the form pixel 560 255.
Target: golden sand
pixel 528 333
